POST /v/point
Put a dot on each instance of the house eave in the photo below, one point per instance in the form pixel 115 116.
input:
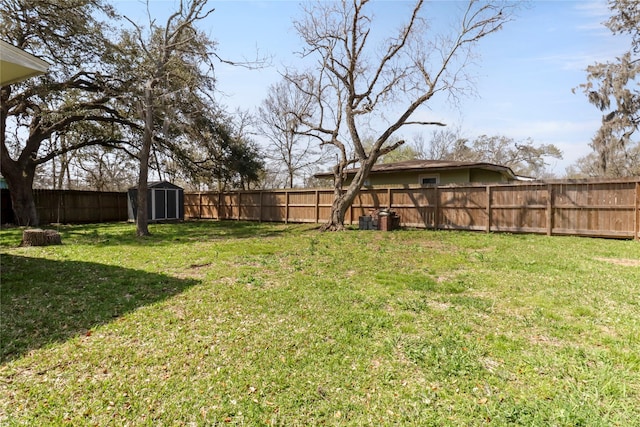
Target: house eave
pixel 420 167
pixel 17 65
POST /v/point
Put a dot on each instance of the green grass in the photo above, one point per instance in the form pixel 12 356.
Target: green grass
pixel 234 323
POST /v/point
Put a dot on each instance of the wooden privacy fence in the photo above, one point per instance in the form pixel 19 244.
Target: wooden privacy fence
pixel 586 208
pixel 70 206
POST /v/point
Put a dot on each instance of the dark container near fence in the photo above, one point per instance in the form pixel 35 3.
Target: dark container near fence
pixel 389 222
pixel 365 223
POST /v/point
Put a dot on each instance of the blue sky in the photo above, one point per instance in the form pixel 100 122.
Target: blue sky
pixel 524 74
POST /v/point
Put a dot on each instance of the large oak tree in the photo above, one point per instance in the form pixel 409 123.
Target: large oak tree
pixel 75 90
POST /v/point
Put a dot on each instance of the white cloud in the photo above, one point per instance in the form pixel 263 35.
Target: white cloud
pixel 593 8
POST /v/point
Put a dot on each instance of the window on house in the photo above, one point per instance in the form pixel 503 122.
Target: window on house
pixel 429 180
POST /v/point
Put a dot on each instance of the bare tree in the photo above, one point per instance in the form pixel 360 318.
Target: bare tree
pixel 440 145
pixel 356 82
pixel 279 119
pixel 105 169
pixel 55 174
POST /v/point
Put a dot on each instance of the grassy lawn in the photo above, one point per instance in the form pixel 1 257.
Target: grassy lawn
pixel 233 323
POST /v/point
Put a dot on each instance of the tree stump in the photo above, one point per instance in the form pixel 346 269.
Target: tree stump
pixel 39 237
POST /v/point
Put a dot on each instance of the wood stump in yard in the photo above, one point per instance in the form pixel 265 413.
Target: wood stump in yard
pixel 38 237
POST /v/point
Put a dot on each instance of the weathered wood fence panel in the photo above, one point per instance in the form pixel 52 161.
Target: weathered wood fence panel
pixel 587 208
pixel 521 209
pixel 595 208
pixel 68 206
pixel 71 206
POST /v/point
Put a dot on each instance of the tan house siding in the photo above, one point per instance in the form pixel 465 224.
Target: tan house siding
pixel 417 173
pixel 483 175
pixel 413 178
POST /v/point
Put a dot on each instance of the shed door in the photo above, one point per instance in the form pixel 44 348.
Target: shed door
pixel 172 204
pixel 160 203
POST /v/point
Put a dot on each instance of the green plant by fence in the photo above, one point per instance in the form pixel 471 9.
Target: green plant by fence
pixel 586 207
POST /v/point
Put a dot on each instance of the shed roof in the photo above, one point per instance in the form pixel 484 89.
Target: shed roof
pixel 159 184
pixel 427 165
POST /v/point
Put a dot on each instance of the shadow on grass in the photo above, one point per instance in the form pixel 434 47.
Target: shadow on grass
pixel 44 301
pixel 170 233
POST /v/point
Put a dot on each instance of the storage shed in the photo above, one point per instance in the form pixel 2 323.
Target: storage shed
pixel 165 201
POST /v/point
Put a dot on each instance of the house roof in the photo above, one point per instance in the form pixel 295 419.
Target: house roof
pixel 17 65
pixel 427 166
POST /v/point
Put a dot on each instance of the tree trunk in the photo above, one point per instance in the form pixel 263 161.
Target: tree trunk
pixel 338 212
pixel 142 217
pixel 290 179
pixel 18 173
pixel 38 237
pixel 20 182
pixel 342 200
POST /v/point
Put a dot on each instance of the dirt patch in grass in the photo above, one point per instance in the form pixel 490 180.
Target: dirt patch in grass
pixel 621 261
pixel 545 340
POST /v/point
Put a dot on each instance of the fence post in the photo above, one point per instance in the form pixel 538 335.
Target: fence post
pixel 239 201
pixel 488 208
pixel 286 207
pixel 636 233
pixel 436 212
pixel 218 205
pixel 62 202
pixel 317 206
pixel 100 206
pixel 389 198
pixel 550 196
pixel 351 212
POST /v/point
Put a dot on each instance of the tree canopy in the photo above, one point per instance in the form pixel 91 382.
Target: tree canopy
pixel 612 88
pixel 524 157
